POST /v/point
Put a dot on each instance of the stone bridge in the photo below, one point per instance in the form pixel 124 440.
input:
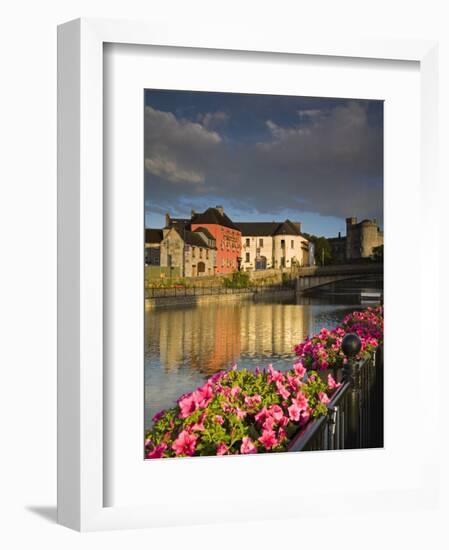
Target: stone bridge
pixel 316 276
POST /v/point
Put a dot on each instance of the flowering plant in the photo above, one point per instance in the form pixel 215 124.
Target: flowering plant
pixel 240 412
pixel 323 350
pixel 244 412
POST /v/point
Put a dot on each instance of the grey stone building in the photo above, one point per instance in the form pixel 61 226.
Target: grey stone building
pixel 360 241
pixel 193 252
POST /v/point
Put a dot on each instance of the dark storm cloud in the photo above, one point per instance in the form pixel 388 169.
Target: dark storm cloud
pixel 327 161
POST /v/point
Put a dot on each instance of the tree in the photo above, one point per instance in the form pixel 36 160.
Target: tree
pixel 378 253
pixel 323 251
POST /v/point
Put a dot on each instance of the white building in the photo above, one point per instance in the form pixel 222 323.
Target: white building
pixel 278 245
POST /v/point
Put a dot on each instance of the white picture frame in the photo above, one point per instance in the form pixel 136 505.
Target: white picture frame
pixel 81 401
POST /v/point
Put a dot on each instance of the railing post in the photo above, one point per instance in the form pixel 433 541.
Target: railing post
pixel 351 345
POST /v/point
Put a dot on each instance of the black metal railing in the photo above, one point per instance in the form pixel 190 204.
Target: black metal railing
pixel 355 412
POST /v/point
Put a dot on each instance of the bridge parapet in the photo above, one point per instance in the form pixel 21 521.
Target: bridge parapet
pixel 316 276
pixel 343 269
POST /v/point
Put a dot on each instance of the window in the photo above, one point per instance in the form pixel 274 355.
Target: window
pixel 193 251
pixel 207 254
pixel 201 252
pixel 293 244
pixel 247 260
pixel 261 243
pixel 282 243
pixel 247 242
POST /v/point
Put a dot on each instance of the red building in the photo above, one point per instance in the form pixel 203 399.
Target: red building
pixel 226 234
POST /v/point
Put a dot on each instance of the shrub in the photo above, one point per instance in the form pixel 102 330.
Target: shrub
pixel 239 279
pixel 323 350
pixel 244 412
pixel 240 412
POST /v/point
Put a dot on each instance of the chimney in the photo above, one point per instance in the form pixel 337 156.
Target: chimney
pixel 351 221
pixel 167 220
pixel 220 209
pixel 339 234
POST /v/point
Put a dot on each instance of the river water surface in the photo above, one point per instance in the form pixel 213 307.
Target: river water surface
pixel 184 345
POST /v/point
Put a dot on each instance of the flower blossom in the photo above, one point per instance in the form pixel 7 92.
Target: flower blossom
pixel 221 449
pixel 184 444
pixel 268 439
pixel 157 452
pixel 247 446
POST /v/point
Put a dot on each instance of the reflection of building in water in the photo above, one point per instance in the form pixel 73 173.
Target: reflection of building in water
pixel 206 338
pixel 268 329
pixel 212 337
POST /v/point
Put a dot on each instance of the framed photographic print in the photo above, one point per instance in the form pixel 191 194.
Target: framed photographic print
pixel 224 207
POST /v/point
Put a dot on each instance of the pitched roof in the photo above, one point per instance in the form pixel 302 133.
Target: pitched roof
pixel 287 228
pixel 192 238
pixel 179 222
pixel 205 232
pixel 267 229
pixel 153 236
pixel 214 216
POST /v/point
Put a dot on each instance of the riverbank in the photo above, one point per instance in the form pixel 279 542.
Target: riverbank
pixel 190 297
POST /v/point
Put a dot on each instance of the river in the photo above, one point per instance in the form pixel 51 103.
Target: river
pixel 185 345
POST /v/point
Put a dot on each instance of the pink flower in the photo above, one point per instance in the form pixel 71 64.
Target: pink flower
pixel 294 412
pixel 283 421
pixel 203 395
pixel 282 434
pixel 184 444
pixel 218 419
pixel 323 398
pixel 252 400
pixel 301 401
pixel 221 449
pixel 262 415
pixel 268 423
pixel 299 369
pixel 157 452
pixel 282 390
pixel 247 446
pixel 240 413
pixel 188 405
pixel 235 390
pixel 274 375
pixel 268 439
pixel 199 426
pixel 332 384
pixel 158 416
pixel 276 412
pixel 293 382
pixel 305 416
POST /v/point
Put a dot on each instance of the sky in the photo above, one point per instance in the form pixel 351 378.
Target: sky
pixel 263 158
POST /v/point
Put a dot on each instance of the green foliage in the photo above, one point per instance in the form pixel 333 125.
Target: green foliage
pixel 239 279
pixel 378 253
pixel 323 251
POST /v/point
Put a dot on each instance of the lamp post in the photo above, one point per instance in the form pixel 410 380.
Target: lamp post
pixel 351 346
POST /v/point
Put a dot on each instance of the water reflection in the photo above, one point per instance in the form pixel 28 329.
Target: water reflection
pixel 183 345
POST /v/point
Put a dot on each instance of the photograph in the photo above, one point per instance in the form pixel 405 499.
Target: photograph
pixel 263 273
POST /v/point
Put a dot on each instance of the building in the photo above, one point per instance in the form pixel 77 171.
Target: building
pixel 338 248
pixel 220 227
pixel 275 245
pixel 360 241
pixel 191 253
pixel 153 239
pixel 362 238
